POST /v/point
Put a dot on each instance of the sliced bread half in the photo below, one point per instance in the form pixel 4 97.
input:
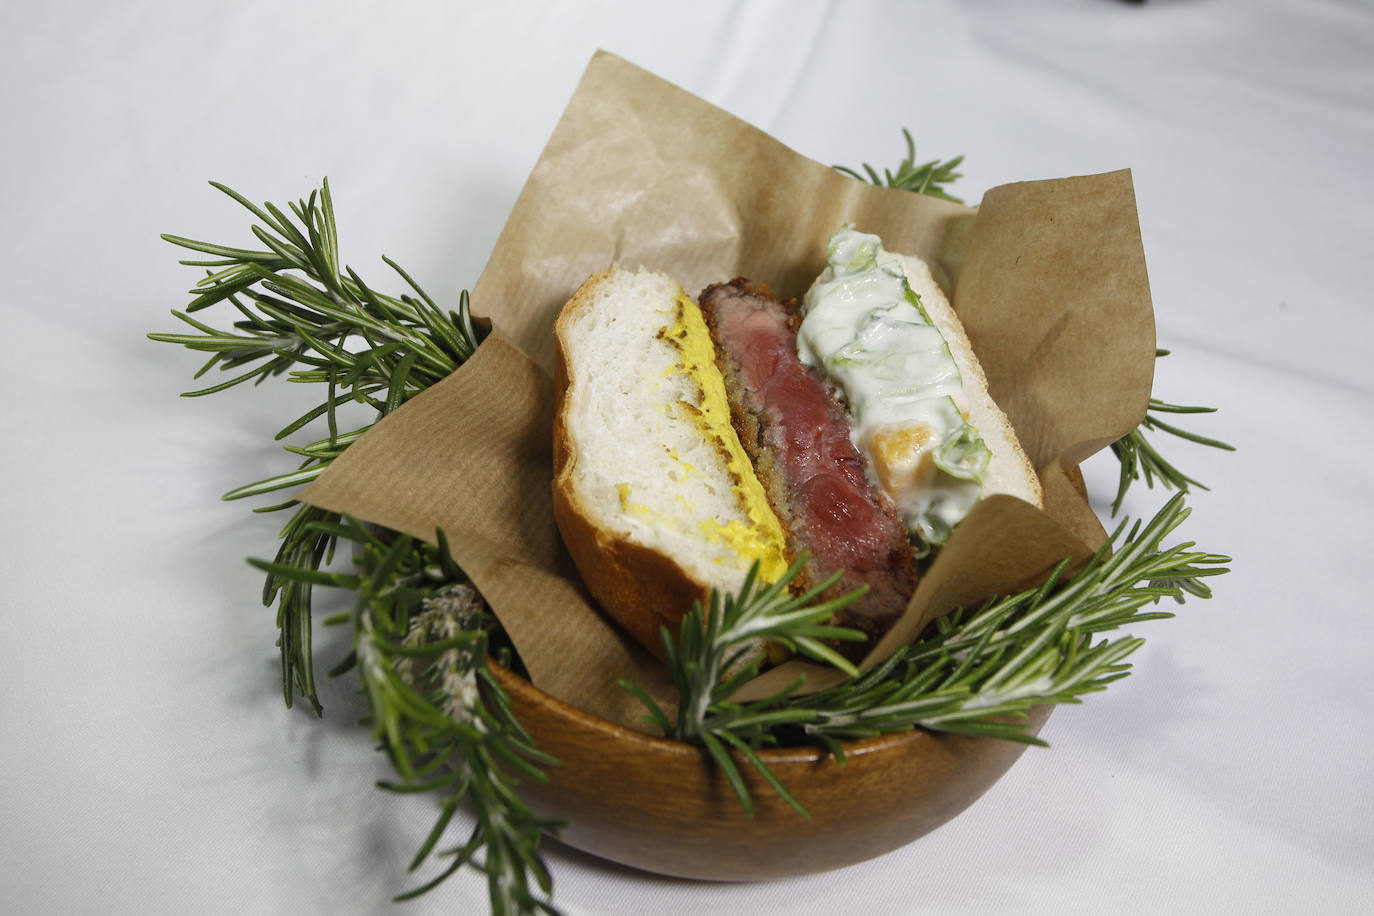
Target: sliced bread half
pixel 656 500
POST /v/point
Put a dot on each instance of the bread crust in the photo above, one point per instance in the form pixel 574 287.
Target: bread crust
pixel 643 589
pixel 991 422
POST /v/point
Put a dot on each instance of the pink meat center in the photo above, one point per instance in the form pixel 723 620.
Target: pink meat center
pixel 834 510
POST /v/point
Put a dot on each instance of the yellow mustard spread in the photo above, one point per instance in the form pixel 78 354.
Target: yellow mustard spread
pixel 761 538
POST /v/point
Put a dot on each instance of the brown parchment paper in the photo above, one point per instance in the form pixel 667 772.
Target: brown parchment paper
pixel 1048 277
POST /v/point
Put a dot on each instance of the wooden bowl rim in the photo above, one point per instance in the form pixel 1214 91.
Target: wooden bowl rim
pixel 514 683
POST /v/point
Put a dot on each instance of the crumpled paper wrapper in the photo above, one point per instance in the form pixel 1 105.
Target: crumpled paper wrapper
pixel 1048 277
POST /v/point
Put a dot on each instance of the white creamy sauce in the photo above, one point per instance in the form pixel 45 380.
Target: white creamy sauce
pixel 895 372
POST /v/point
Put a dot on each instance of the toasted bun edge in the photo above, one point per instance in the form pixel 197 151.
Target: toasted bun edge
pixel 641 588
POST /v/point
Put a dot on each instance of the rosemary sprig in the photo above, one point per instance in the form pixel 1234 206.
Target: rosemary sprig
pixel 929 178
pixel 420 645
pixel 718 652
pixel 299 312
pixel 420 635
pixel 1139 458
pixel 1029 649
pixel 977 673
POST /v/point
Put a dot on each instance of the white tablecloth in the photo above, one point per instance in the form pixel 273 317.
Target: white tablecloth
pixel 147 763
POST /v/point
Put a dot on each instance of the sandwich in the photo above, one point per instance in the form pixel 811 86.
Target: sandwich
pixel 694 439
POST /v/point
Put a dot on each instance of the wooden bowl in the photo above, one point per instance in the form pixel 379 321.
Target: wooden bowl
pixel 665 807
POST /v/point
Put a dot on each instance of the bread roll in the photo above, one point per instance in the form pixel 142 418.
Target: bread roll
pixel 655 498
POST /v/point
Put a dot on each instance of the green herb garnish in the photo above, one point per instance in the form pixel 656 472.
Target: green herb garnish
pixel 299 313
pixel 718 650
pixel 976 672
pixel 420 647
pixel 419 630
pixel 929 178
pixel 1141 460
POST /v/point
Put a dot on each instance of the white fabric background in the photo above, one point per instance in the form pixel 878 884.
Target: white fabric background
pixel 147 764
